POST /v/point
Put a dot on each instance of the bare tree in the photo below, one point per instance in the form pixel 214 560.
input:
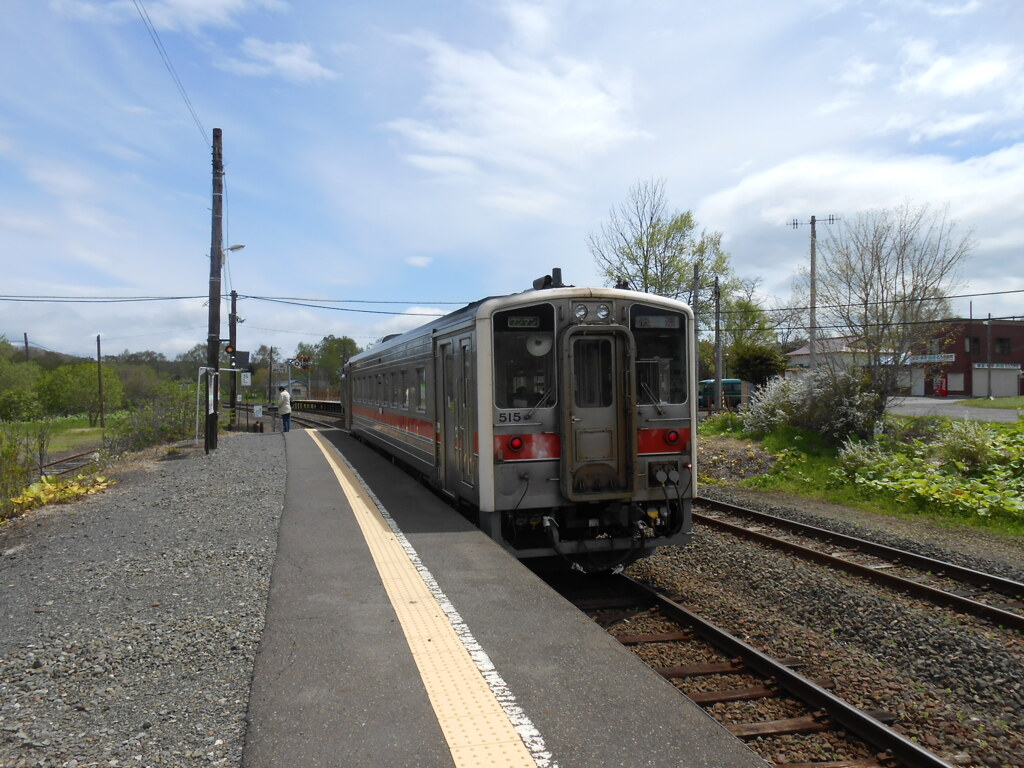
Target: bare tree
pixel 646 249
pixel 884 279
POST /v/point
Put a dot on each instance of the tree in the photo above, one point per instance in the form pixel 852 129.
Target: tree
pixel 645 248
pixel 331 355
pixel 884 279
pixel 75 389
pixel 18 400
pixel 757 363
pixel 745 323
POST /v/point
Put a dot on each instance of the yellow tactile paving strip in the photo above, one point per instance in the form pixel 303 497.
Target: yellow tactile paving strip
pixel 475 725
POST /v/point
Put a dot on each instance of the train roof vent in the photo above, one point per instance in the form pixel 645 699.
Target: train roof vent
pixel 554 280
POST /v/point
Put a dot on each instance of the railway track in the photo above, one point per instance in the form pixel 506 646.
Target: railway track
pixel 762 700
pixel 70 464
pixel 991 597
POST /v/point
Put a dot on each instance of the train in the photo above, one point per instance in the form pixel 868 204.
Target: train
pixel 562 419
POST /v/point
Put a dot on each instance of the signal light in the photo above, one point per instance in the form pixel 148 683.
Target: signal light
pixel 672 437
pixel 515 443
pixel 229 349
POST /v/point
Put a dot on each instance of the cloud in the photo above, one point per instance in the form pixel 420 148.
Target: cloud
pixel 952 9
pixel 413 317
pixel 530 24
pixel 419 261
pixel 953 76
pixel 857 72
pixel 514 115
pixel 292 61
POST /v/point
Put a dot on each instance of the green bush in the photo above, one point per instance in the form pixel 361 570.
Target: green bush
pixel 722 423
pixel 170 416
pixel 16 469
pixel 971 447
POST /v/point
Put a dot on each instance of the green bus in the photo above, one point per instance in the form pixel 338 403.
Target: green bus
pixel 732 392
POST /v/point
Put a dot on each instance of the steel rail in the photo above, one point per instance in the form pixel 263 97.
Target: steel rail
pixel 841 712
pixel 932 594
pixel 69 459
pixel 1004 586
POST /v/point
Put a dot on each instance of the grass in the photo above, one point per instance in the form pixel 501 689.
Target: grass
pixel 1009 403
pixel 807 465
pixel 71 434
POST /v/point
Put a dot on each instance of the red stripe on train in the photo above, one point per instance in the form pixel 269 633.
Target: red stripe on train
pixel 662 440
pixel 527 446
pixel 401 421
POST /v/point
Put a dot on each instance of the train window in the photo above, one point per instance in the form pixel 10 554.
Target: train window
pixel 421 389
pixel 524 357
pixel 660 355
pixel 592 369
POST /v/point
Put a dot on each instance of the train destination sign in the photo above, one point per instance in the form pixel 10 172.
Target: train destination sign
pixel 656 321
pixel 523 321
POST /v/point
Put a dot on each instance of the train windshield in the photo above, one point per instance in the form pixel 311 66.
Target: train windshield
pixel 524 357
pixel 660 336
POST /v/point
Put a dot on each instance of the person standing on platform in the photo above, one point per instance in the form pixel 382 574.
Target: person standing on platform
pixel 284 408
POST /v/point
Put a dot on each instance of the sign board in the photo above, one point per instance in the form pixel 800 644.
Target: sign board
pixel 212 385
pixel 279 368
pixel 246 379
pixel 948 357
pixel 257 411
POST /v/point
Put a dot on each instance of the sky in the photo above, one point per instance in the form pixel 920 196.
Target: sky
pixel 392 159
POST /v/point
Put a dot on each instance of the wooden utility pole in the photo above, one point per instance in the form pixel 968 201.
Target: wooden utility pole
pixel 213 337
pixel 812 332
pixel 99 369
pixel 26 347
pixel 232 339
pixel 718 347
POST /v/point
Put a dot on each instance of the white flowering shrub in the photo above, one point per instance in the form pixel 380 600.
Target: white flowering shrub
pixel 834 404
pixel 772 406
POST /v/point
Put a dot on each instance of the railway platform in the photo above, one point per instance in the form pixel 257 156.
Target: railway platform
pixel 397 634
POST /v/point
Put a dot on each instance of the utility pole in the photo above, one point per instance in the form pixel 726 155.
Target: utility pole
pixel 694 301
pixel 232 343
pixel 718 346
pixel 270 377
pixel 99 369
pixel 213 337
pixel 26 347
pixel 812 332
pixel 988 347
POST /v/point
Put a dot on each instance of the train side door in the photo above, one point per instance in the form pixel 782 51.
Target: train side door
pixel 598 461
pixel 455 441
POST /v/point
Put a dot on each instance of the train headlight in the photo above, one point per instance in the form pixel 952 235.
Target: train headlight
pixel 603 312
pixel 581 312
pixel 515 443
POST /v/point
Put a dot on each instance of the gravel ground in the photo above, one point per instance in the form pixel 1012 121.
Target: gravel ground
pixel 956 683
pixel 131 619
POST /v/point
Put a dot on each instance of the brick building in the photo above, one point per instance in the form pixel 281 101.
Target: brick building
pixel 970 359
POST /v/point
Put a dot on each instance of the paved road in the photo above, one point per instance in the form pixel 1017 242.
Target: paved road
pixel 951 407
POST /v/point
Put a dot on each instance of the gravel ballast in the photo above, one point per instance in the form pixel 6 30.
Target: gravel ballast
pixel 955 683
pixel 129 620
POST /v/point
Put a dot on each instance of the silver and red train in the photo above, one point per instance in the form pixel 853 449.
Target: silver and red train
pixel 564 417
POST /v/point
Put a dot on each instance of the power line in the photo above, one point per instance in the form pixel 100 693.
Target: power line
pixel 93 299
pixel 342 309
pixel 155 37
pixel 320 303
pixel 880 302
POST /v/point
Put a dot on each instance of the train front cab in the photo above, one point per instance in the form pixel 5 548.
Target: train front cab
pixel 591 424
